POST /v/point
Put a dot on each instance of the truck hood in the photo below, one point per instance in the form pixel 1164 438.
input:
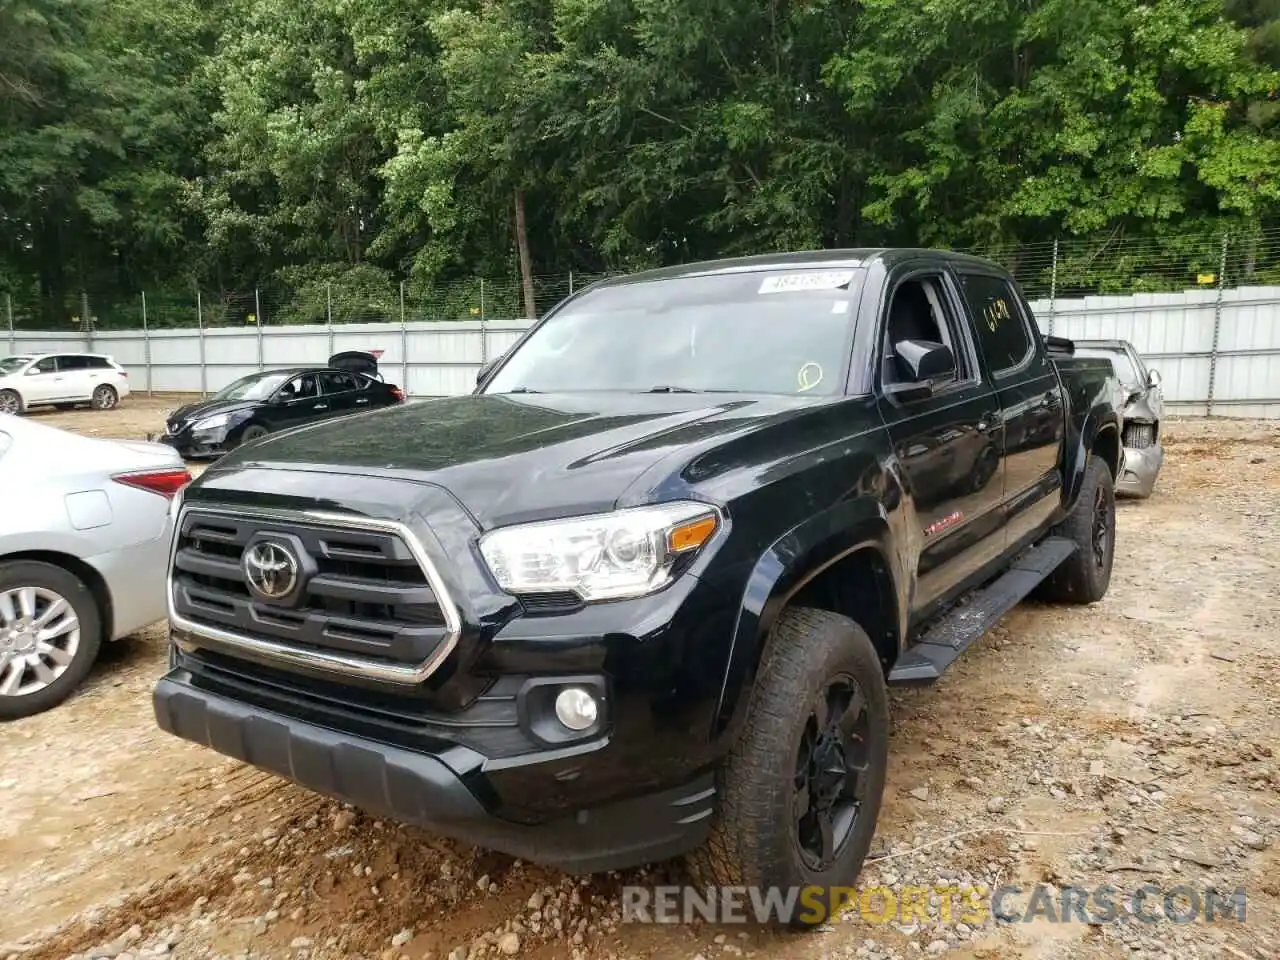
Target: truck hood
pixel 515 458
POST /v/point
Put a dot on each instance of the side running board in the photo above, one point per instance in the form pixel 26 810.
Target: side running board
pixel 955 633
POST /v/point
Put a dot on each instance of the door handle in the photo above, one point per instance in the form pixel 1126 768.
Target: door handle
pixel 363 400
pixel 321 406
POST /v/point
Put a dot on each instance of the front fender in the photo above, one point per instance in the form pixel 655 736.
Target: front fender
pixel 783 569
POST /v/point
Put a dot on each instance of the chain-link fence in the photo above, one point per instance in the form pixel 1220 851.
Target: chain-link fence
pixel 276 304
pixel 1050 270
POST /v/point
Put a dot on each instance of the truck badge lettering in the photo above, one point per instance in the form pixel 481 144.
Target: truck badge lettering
pixel 938 526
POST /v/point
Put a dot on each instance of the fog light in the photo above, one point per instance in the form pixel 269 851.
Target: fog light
pixel 576 708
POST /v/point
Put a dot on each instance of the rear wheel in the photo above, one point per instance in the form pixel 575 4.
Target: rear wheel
pixel 1085 575
pixel 50 632
pixel 10 402
pixel 105 397
pixel 801 792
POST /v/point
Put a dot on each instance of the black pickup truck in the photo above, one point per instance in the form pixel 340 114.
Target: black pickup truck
pixel 641 593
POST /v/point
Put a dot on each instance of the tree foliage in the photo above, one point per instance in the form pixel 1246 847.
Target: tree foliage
pixel 334 144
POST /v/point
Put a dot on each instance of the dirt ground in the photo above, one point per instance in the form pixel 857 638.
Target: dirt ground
pixel 1130 743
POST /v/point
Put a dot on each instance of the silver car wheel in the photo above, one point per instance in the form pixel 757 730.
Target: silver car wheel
pixel 9 402
pixel 104 398
pixel 39 638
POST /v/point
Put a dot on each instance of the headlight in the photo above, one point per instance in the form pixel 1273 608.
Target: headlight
pixel 610 556
pixel 213 423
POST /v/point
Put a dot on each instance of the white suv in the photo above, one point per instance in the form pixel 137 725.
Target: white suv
pixel 61 380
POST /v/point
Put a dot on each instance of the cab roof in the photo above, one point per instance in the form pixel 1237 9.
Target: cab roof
pixel 850 258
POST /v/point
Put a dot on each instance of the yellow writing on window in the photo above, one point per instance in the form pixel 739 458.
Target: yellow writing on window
pixel 996 312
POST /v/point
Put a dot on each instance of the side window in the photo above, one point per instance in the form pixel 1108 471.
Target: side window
pixel 47 365
pixel 919 311
pixel 300 388
pixel 1000 324
pixel 97 363
pixel 338 382
pixel 72 362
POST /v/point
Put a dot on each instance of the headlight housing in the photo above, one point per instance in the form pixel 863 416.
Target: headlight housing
pixel 212 423
pixel 609 556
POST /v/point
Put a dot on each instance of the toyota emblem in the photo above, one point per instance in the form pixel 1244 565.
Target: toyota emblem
pixel 271 569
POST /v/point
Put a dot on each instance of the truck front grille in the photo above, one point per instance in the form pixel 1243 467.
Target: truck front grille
pixel 364 598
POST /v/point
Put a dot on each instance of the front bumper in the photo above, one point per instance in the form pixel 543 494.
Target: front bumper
pixel 1139 471
pixel 442 791
pixel 194 446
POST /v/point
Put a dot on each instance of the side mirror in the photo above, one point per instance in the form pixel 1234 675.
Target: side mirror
pixel 488 368
pixel 921 362
pixel 32 371
pixel 1154 379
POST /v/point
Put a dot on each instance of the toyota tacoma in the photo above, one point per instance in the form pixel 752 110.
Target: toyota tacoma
pixel 640 594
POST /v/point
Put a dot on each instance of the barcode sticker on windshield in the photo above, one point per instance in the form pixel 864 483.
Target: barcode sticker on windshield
pixel 808 280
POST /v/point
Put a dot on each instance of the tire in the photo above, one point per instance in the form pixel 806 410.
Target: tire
pixel 105 397
pixel 759 830
pixel 11 402
pixel 1085 575
pixel 252 433
pixel 23 692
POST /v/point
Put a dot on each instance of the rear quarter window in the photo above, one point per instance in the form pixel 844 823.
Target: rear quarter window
pixel 998 320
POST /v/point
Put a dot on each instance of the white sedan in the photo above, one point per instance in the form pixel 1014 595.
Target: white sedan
pixel 85 530
pixel 61 380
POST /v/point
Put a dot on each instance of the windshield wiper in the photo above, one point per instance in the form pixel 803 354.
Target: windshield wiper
pixel 522 390
pixel 666 388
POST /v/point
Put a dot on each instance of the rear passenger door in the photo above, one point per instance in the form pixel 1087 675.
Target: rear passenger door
pixel 947 445
pixel 1030 396
pixel 77 376
pixel 338 390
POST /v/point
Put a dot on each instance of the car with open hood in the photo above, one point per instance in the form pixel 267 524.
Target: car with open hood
pixel 270 401
pixel 1141 402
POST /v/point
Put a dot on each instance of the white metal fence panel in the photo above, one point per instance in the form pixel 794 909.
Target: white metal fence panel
pixel 1218 351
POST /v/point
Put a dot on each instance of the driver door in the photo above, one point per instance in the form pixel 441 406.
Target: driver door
pixel 948 445
pixel 299 402
pixel 42 382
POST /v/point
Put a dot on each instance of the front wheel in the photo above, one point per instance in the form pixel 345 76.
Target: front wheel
pixel 10 402
pixel 1085 575
pixel 105 398
pixel 800 794
pixel 50 632
pixel 252 433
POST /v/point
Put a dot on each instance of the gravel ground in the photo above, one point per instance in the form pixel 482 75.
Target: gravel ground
pixel 1124 744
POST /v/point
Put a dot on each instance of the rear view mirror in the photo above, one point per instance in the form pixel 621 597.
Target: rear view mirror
pixel 1154 379
pixel 32 371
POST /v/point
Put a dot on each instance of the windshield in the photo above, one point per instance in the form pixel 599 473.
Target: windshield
pixel 256 386
pixel 1125 371
pixel 780 331
pixel 12 364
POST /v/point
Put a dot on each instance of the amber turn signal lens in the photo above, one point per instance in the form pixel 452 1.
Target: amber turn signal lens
pixel 691 535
